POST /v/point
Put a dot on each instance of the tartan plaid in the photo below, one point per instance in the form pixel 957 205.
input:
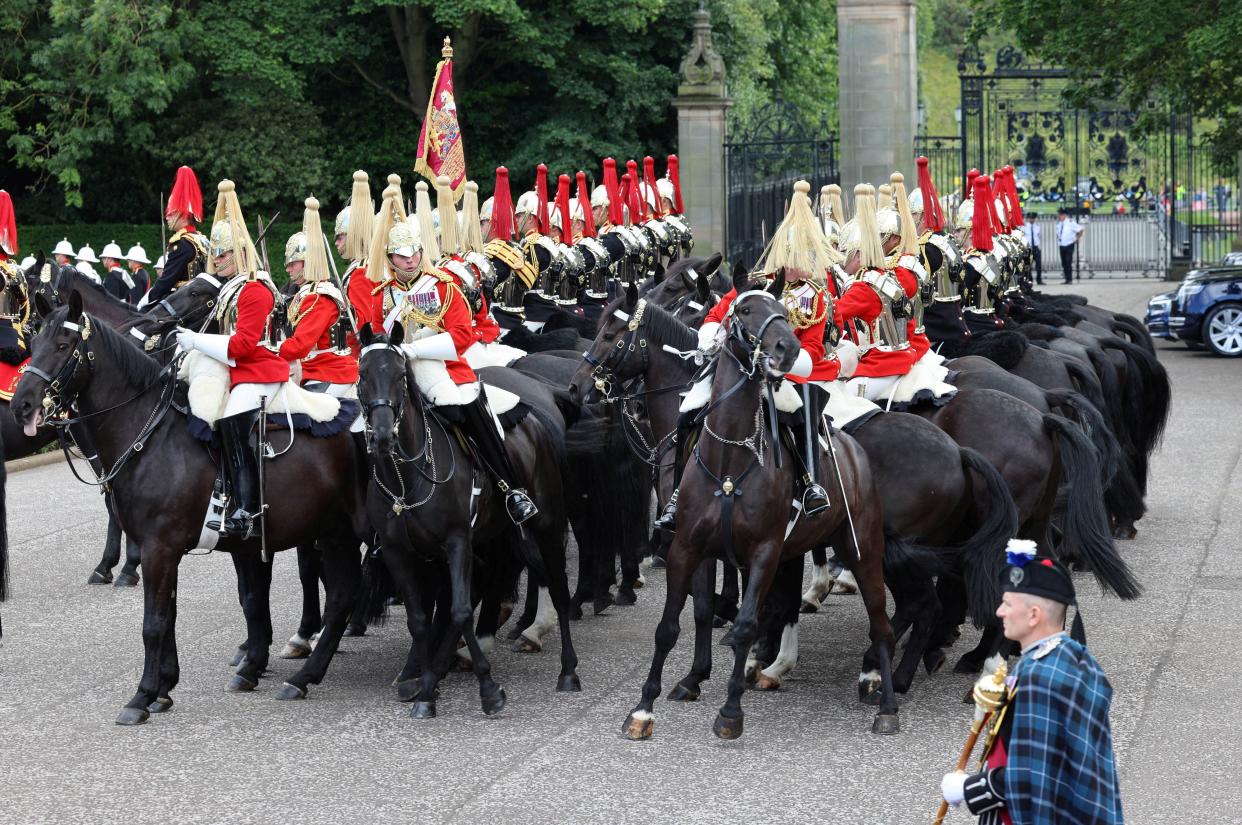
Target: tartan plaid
pixel 1061 768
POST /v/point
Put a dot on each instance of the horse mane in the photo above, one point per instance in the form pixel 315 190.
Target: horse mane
pixel 76 280
pixel 666 328
pixel 132 361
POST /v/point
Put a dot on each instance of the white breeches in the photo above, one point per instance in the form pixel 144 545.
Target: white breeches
pixel 245 397
pixel 870 388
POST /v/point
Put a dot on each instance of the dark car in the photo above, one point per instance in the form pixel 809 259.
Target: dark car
pixel 1205 311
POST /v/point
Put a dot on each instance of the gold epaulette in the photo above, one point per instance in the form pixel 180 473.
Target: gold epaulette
pixel 443 277
pixel 925 237
pixel 512 258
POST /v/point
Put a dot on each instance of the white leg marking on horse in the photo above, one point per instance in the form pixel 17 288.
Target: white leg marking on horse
pixel 788 657
pixel 872 676
pixel 545 619
pixel 846 583
pixel 642 715
pixel 821 584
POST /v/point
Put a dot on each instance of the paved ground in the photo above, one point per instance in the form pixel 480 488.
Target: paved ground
pixel 72 655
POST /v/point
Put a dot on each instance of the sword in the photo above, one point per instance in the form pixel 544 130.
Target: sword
pixel 261 241
pixel 262 515
pixel 832 451
pixel 163 224
pixel 339 284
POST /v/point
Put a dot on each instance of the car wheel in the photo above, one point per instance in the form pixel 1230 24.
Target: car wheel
pixel 1222 330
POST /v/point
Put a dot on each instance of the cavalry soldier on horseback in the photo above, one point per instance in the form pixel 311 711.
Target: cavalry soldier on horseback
pixel 256 371
pixel 186 255
pixel 431 306
pixel 1048 756
pixel 14 293
pixel 117 282
pixel 982 280
pixel 800 250
pixel 135 258
pixel 941 257
pixel 317 315
pixel 352 236
pixel 63 253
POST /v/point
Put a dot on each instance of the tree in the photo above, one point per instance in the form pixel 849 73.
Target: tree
pixel 1183 53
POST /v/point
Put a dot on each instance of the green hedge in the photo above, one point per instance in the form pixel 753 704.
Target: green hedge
pixel 45 236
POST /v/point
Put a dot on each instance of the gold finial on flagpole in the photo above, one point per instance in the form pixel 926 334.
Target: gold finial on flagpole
pixel 447 51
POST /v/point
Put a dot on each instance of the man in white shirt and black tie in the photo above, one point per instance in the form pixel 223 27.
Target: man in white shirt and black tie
pixel 1068 233
pixel 1031 230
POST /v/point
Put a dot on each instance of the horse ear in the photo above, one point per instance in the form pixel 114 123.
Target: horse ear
pixel 365 335
pixel 741 280
pixel 658 274
pixel 709 269
pixel 41 306
pixel 777 287
pixel 631 295
pixel 40 259
pixel 75 307
pixel 703 286
pixel 397 335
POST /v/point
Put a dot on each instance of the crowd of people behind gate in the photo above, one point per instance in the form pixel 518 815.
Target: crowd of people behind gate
pixel 866 294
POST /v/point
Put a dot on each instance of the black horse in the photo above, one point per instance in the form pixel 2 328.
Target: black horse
pixel 163 478
pixel 433 505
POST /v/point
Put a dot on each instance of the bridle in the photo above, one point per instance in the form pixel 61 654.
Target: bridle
pixel 752 344
pixel 604 372
pixel 55 401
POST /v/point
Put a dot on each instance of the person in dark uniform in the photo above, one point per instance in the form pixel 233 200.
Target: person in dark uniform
pixel 117 281
pixel 186 255
pixel 1049 754
pixel 136 259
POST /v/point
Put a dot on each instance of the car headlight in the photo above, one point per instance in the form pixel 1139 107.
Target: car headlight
pixel 1189 288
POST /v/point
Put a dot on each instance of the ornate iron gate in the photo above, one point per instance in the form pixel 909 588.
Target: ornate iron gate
pixel 761 168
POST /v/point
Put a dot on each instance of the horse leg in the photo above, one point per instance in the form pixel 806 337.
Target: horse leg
pixel 460 560
pixel 764 561
pixel 254 577
pixel 788 581
pixel 102 574
pixel 530 640
pixel 357 623
pixel 159 591
pixel 528 611
pixel 128 577
pixel 409 683
pixel 682 561
pixel 821 580
pixel 552 552
pixel 703 585
pixel 730 594
pixel 917 607
pixel 342 575
pixel 170 667
pixel 866 564
pixel 299 644
pixel 631 574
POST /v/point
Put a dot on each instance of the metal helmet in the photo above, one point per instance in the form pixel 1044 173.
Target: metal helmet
pixel 599 196
pixel 528 204
pixel 402 240
pixel 916 202
pixel 159 262
pixel 295 248
pixel 965 217
pixel 342 221
pixel 889 222
pixel 485 211
pixel 221 239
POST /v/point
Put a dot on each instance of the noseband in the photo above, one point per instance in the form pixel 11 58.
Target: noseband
pixel 604 372
pixel 396 405
pixel 54 402
pixel 751 344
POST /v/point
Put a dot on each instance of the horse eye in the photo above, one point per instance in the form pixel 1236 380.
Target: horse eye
pixel 62 346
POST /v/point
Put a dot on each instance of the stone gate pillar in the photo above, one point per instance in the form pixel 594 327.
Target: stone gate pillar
pixel 702 104
pixel 878 88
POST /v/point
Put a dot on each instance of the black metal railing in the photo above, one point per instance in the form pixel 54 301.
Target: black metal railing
pixel 944 156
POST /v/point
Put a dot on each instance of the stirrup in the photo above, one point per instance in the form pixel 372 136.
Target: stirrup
pixel 814 499
pixel 667 520
pixel 519 506
pixel 239 525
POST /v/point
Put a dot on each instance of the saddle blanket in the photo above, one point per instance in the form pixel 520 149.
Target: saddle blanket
pixel 208 381
pixel 924 382
pixel 10 374
pixel 788 398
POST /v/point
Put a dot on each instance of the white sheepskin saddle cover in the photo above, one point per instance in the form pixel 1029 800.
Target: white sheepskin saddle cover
pixel 496 354
pixel 209 393
pixel 844 406
pixel 432 378
pixel 788 397
pixel 924 379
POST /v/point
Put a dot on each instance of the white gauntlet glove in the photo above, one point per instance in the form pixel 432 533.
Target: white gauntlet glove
pixel 185 338
pixel 952 788
pixel 847 354
pixel 436 347
pixel 710 336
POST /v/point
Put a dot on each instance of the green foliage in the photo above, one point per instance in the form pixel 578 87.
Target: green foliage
pixel 1183 53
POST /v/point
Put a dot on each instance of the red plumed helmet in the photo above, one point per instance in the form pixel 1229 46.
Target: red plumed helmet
pixel 981 222
pixel 616 206
pixel 501 227
pixel 674 175
pixel 1000 220
pixel 186 197
pixel 933 215
pixel 1015 203
pixel 584 203
pixel 8 225
pixel 649 181
pixel 633 195
pixel 562 206
pixel 970 182
pixel 541 200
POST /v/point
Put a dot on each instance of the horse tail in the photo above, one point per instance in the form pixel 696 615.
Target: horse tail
pixel 1153 399
pixel 909 569
pixel 1086 534
pixel 1092 422
pixel 982 553
pixel 1132 329
pixel 378 586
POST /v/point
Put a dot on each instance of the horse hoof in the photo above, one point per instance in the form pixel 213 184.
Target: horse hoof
pixel 639 725
pixel 727 727
pixel 886 724
pixel 355 630
pixel 492 705
pixel 765 682
pixel 240 684
pixel 727 639
pixel 684 693
pixel 933 660
pixel 132 716
pixel 423 710
pixel 1125 533
pixel 869 690
pixel 239 656
pixel 162 704
pixel 288 691
pixel 658 563
pixel 968 664
pixel 100 578
pixel 575 612
pixel 515 632
pixel 525 645
pixel 626 596
pixel 568 683
pixel 295 651
pixel 602 604
pixel 808 607
pixel 408 690
pixel 126 580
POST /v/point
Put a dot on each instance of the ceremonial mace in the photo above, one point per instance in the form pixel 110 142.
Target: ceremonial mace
pixel 989 694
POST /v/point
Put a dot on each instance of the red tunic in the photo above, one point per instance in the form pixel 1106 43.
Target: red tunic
pixel 824 367
pixel 254 363
pixel 358 293
pixel 861 301
pixel 312 332
pixel 910 285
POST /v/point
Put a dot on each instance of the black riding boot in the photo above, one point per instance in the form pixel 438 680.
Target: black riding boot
pixel 481 426
pixel 814 498
pixel 242 469
pixel 667 520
